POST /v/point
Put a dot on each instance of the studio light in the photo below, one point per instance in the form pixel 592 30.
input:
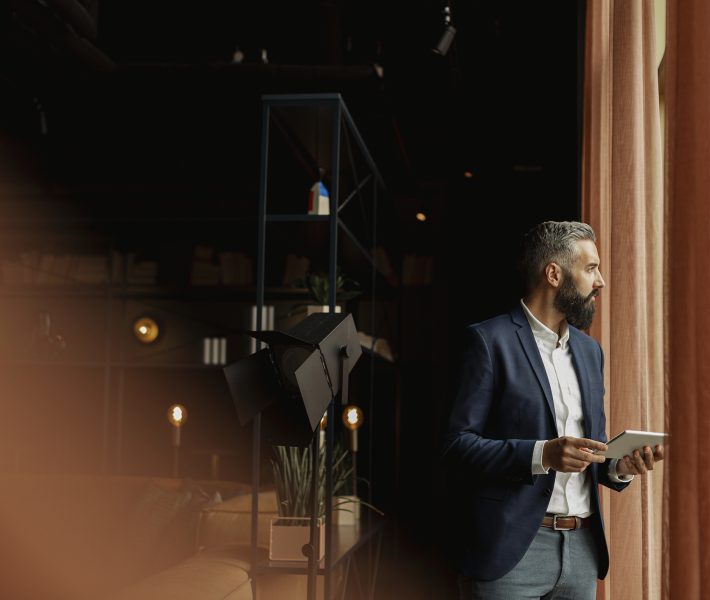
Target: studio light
pixel 292 381
pixel 146 330
pixel 447 37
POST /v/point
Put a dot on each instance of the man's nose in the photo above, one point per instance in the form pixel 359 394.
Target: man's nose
pixel 599 281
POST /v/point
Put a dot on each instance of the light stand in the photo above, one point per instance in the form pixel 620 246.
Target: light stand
pixel 285 389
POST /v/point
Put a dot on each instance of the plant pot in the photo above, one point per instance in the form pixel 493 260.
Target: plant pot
pixel 346 510
pixel 288 535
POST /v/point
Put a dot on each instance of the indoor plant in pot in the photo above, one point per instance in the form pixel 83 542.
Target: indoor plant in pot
pixel 290 530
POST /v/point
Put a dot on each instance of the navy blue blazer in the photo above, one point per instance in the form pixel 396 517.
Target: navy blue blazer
pixel 502 406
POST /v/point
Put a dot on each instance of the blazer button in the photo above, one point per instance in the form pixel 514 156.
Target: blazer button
pixel 547 492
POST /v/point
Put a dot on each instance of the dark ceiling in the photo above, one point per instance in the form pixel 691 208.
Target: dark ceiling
pixel 150 100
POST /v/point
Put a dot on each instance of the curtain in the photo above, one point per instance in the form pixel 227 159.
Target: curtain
pixel 622 197
pixel 687 493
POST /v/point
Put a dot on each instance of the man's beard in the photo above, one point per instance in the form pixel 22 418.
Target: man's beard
pixel 577 309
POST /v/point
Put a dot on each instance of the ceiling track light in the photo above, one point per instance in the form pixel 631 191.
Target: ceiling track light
pixel 447 37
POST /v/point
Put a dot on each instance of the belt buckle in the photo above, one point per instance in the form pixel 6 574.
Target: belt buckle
pixel 554 524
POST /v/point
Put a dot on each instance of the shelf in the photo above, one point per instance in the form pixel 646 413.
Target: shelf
pixel 197 292
pixel 295 218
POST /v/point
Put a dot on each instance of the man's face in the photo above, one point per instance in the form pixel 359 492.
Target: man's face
pixel 576 296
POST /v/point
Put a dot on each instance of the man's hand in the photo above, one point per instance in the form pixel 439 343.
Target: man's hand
pixel 571 455
pixel 639 463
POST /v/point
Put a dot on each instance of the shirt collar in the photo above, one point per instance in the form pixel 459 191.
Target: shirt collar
pixel 543 333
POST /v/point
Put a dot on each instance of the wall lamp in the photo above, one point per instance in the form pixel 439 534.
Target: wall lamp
pixel 146 330
pixel 177 416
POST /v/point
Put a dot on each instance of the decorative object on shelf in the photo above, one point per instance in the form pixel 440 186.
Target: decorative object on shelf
pixel 146 330
pixel 214 351
pixel 318 200
pixel 204 271
pixel 319 287
pixel 235 268
pixel 267 322
pixel 177 416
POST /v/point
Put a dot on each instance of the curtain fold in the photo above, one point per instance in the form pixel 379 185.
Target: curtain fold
pixel 687 490
pixel 623 200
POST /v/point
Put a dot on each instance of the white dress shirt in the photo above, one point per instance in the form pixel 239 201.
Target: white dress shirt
pixel 572 493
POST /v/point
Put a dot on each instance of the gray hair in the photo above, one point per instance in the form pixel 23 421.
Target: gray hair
pixel 551 241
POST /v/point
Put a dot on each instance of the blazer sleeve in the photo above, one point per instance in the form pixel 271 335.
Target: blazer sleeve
pixel 466 449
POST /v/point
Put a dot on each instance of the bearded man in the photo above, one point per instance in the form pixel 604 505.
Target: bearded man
pixel 526 435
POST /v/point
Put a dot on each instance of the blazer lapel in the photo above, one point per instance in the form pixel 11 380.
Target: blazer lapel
pixel 527 339
pixel 580 366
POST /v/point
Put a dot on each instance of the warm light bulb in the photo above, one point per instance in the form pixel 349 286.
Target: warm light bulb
pixel 421 217
pixel 352 417
pixel 146 330
pixel 467 174
pixel 177 415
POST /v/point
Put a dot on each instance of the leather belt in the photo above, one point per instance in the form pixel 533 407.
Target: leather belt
pixel 565 523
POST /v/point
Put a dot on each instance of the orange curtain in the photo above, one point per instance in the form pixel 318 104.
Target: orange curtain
pixel 623 201
pixel 687 497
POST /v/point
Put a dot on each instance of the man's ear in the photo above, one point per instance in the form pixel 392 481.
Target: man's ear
pixel 553 274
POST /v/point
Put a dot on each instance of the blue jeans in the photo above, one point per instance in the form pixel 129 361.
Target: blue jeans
pixel 559 565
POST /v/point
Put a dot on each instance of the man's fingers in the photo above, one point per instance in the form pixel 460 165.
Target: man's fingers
pixel 648 458
pixel 638 462
pixel 573 465
pixel 590 444
pixel 630 465
pixel 589 457
pixel 659 453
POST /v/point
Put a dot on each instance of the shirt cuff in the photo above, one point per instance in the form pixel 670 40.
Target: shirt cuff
pixel 537 468
pixel 613 475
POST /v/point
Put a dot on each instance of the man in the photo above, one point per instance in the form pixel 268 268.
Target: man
pixel 527 416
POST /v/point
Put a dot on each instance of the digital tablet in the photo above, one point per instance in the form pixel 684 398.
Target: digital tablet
pixel 629 440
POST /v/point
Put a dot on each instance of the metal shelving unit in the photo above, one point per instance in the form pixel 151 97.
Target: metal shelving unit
pixel 366 186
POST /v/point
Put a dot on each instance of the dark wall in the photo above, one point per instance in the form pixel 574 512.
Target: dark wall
pixel 175 131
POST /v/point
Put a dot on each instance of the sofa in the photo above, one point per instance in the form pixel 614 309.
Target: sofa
pixel 73 537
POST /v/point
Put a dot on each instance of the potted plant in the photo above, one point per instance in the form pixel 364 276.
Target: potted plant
pixel 318 284
pixel 290 530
